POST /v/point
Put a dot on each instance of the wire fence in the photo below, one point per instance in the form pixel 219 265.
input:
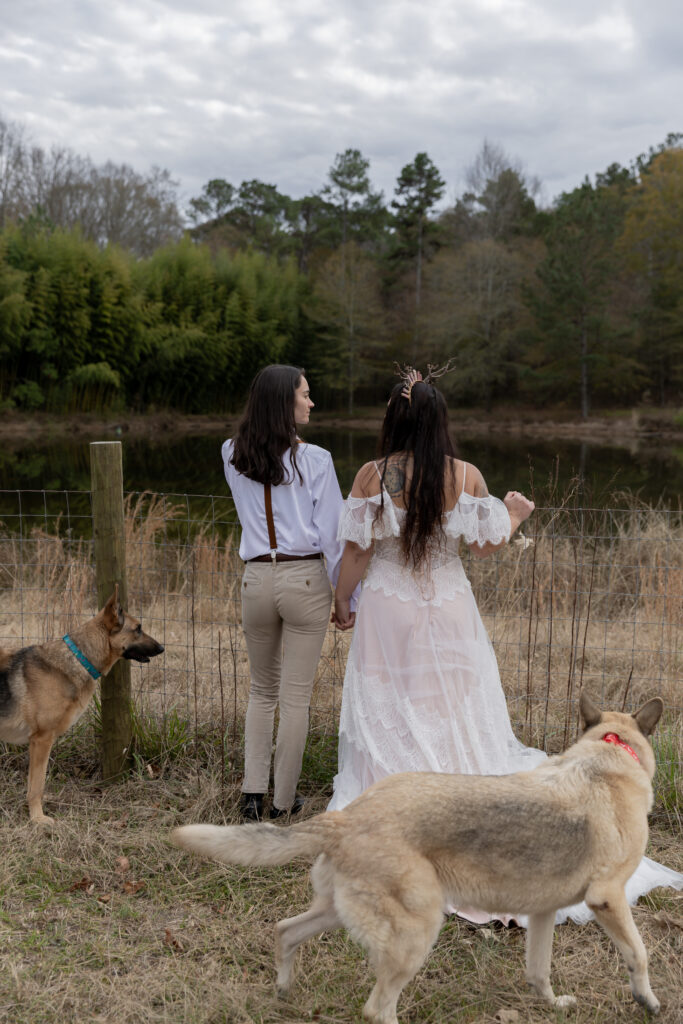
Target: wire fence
pixel 589 599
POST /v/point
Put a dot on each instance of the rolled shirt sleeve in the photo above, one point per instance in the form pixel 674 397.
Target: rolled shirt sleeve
pixel 328 506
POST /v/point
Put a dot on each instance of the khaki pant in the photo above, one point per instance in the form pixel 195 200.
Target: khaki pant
pixel 285 614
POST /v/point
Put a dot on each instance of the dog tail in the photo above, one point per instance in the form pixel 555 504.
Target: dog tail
pixel 259 845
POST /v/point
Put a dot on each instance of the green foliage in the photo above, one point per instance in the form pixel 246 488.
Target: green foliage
pixel 320 758
pixel 419 188
pixel 91 329
pixel 156 738
pixel 93 386
pixel 346 306
pixel 579 344
pixel 473 305
pixel 651 246
pixel 359 211
pixel 577 304
pixel 28 395
pixel 667 783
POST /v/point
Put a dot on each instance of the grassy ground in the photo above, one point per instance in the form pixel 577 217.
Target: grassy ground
pixel 101 920
pixel 161 937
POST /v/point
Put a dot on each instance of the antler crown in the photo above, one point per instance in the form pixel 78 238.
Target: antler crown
pixel 434 372
pixel 410 376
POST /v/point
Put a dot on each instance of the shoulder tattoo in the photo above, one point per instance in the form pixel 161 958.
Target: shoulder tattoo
pixel 394 479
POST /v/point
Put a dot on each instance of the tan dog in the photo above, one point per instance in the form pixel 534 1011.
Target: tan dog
pixel 44 689
pixel 574 828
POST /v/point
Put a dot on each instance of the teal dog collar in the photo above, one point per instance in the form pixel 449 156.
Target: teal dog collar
pixel 81 656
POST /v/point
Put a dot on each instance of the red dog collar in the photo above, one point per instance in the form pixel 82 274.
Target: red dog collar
pixel 611 737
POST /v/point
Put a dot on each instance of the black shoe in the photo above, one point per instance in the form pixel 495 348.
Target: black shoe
pixel 252 806
pixel 299 802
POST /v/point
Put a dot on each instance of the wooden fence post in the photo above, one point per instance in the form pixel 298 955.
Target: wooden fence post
pixel 106 475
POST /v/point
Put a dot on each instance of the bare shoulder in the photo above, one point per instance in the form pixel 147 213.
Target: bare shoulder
pixel 366 482
pixel 474 482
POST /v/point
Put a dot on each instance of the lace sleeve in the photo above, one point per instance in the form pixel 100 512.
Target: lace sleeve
pixel 479 520
pixel 362 521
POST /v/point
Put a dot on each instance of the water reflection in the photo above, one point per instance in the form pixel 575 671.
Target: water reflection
pixel 548 469
pixel 192 465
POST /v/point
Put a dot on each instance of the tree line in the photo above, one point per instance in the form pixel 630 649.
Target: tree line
pixel 133 305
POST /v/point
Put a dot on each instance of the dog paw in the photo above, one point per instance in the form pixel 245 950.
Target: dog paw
pixel 649 1001
pixel 42 819
pixel 565 1002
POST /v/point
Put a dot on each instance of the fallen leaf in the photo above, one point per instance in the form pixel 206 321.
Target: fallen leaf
pixel 150 771
pixel 104 897
pixel 488 933
pixel 82 884
pixel 172 940
pixel 507 1016
pixel 122 865
pixel 133 887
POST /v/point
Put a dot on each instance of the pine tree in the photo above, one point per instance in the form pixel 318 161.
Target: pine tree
pixel 419 188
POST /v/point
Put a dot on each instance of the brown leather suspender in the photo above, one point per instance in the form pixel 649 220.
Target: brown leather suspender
pixel 272 539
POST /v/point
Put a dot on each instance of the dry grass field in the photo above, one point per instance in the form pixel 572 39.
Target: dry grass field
pixel 101 920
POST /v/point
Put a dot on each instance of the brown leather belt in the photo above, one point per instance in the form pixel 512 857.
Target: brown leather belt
pixel 285 558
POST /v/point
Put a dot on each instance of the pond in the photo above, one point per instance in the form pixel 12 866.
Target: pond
pixel 192 465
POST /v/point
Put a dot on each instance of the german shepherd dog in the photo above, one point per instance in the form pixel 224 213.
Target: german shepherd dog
pixel 573 828
pixel 45 688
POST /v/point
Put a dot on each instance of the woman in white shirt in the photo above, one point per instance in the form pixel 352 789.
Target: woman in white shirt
pixel 290 563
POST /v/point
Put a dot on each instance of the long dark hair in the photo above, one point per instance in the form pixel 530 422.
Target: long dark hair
pixel 267 428
pixel 420 428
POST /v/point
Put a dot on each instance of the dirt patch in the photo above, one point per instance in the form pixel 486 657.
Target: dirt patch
pixel 28 426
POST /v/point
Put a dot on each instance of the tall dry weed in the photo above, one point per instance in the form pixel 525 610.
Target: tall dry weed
pixel 593 600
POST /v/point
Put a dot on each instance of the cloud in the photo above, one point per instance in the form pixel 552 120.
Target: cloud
pixel 272 90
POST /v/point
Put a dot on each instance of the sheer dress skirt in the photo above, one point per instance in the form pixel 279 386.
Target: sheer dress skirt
pixel 422 693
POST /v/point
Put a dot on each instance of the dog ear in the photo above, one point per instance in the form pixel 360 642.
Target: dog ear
pixel 113 612
pixel 590 714
pixel 648 716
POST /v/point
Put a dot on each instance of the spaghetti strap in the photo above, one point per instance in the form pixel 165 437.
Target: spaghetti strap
pixel 464 474
pixel 377 469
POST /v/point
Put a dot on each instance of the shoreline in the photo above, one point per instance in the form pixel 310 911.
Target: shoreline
pixel 619 429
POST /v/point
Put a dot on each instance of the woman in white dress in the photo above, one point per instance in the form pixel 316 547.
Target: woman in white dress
pixel 422 690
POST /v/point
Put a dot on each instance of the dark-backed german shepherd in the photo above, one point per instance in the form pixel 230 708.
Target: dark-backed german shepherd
pixel 45 688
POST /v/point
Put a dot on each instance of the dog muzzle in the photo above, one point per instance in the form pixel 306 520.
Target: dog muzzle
pixel 142 653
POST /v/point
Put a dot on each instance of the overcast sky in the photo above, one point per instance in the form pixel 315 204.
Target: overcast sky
pixel 272 89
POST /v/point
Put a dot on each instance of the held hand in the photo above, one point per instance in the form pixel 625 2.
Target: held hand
pixel 342 626
pixel 518 506
pixel 342 617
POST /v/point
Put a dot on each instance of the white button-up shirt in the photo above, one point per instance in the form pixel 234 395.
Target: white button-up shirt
pixel 305 515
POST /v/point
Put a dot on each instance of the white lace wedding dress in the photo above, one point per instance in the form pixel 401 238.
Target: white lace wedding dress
pixel 422 690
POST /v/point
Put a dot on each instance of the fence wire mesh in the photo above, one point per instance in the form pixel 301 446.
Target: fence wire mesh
pixel 589 599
